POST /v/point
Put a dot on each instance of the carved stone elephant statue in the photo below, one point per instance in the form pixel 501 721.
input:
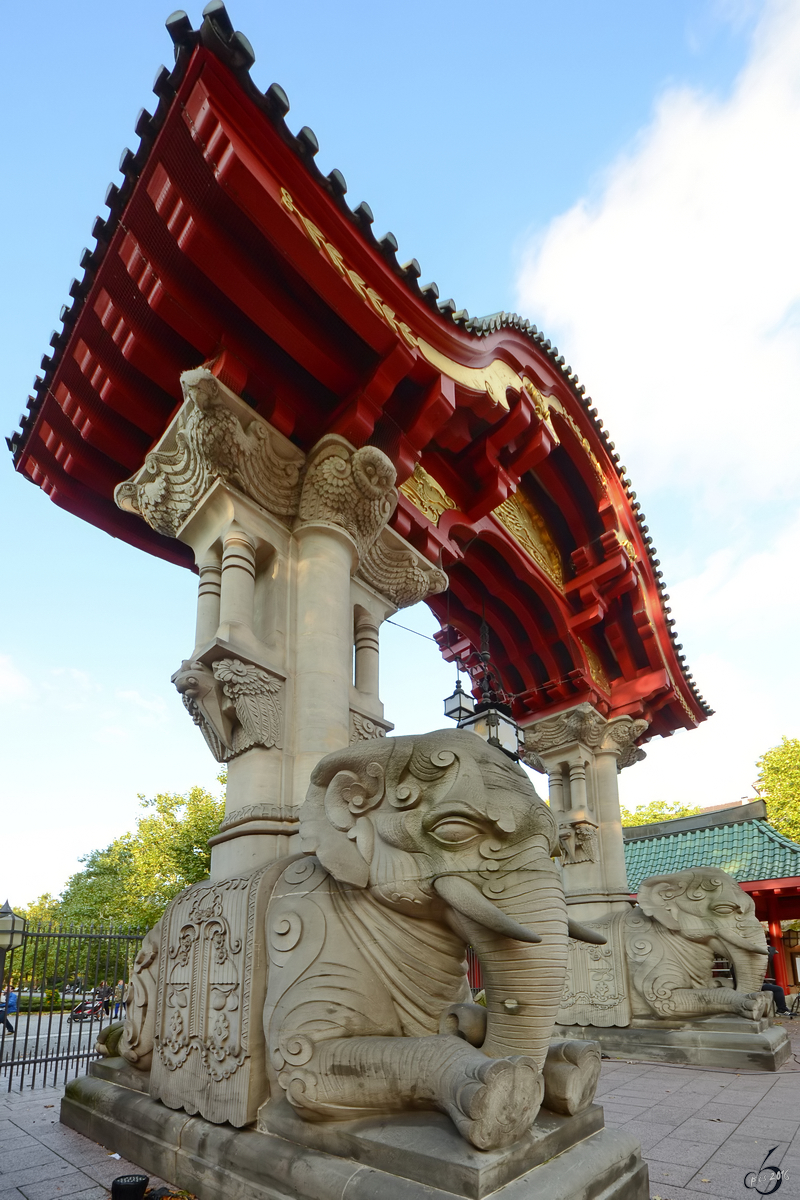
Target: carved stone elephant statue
pixel 412 849
pixel 669 942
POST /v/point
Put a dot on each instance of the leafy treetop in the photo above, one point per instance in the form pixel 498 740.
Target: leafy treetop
pixel 132 880
pixel 657 810
pixel 778 784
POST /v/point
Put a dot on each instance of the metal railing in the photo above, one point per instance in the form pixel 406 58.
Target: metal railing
pixel 70 983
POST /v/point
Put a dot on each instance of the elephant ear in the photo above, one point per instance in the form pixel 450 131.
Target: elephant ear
pixel 655 899
pixel 328 820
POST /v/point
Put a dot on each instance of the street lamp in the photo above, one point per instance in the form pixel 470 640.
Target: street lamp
pixel 460 705
pixel 493 722
pixel 12 932
pixel 491 716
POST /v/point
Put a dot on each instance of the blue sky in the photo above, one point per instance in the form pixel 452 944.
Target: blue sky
pixel 624 174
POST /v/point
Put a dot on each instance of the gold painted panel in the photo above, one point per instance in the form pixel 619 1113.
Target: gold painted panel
pixel 527 526
pixel 427 495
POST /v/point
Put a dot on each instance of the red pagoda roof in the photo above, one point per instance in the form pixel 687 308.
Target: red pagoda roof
pixel 226 246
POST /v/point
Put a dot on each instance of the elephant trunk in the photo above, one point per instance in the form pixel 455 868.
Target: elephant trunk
pixel 750 967
pixel 524 980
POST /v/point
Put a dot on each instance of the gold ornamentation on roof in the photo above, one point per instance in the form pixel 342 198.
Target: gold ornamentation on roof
pixel 427 495
pixel 595 667
pixel 627 546
pixel 593 459
pixel 527 526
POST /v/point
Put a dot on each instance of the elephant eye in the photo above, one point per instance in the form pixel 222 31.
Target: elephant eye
pixel 453 832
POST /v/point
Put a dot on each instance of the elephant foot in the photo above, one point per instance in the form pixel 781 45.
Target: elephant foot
pixel 498 1105
pixel 755 1005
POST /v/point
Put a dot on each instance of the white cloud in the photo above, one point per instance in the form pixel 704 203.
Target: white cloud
pixel 14 686
pixel 676 287
pixel 675 290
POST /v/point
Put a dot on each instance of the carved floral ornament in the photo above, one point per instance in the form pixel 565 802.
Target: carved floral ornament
pixel 584 724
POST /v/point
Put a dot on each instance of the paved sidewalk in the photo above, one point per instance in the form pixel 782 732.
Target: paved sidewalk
pixel 701 1132
pixel 41 1159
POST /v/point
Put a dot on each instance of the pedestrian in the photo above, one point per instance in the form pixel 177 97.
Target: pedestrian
pixel 106 994
pixel 119 998
pixel 8 1006
pixel 770 985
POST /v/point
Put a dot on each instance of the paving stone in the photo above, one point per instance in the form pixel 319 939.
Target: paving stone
pixel 671 1116
pixel 669 1173
pixel 619 1114
pixel 748 1152
pixel 673 1149
pixel 73 1184
pixel 702 1130
pixel 78 1156
pixel 105 1172
pixel 767 1127
pixel 648 1132
pixel 731 1113
pixel 31 1155
pixel 9 1144
pixel 18 1178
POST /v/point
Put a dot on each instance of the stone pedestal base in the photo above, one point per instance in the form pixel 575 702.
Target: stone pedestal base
pixel 711 1042
pixel 412 1157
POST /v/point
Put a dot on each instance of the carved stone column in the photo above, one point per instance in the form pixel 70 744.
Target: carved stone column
pixel 347 498
pixel 582 753
pixel 292 550
pixel 367 656
pixel 208 596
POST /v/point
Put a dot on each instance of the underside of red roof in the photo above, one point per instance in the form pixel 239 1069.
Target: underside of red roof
pixel 226 246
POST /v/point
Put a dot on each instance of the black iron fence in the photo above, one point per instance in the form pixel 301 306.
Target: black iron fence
pixel 69 983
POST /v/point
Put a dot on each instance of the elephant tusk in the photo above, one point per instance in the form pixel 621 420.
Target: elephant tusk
pixel 583 933
pixel 465 898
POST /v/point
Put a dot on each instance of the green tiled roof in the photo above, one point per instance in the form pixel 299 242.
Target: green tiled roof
pixel 747 851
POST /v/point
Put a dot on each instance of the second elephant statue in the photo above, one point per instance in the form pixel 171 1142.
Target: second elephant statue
pixel 660 956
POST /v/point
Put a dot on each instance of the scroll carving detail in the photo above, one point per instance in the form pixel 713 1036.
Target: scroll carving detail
pixel 400 576
pixel 350 488
pixel 585 724
pixel 209 441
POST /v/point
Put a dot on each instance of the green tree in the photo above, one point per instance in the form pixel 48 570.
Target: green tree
pixel 656 810
pixel 41 911
pixel 132 880
pixel 778 784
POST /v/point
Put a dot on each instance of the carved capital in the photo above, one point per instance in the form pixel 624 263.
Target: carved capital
pixel 580 724
pixel 364 728
pixel 585 725
pixel 235 704
pixel 620 738
pixel 215 436
pixel 392 568
pixel 353 489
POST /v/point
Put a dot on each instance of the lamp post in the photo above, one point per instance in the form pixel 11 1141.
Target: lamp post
pixel 12 931
pixel 491 716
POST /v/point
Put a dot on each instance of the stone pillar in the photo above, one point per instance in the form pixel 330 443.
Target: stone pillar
pixel 367 654
pixel 612 847
pixel 238 580
pixel 584 748
pixel 208 597
pixel 289 548
pixel 326 556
